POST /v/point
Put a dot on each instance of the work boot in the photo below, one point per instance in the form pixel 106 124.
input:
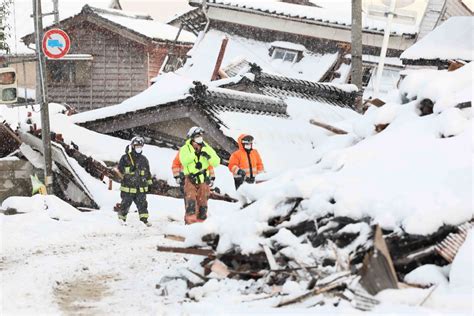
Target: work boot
pixel 202 216
pixel 122 218
pixel 146 222
pixel 190 216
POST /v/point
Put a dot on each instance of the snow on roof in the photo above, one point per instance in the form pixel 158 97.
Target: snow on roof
pixel 204 56
pixel 167 88
pixel 22 24
pixel 145 25
pixel 328 11
pixel 451 40
pixel 288 45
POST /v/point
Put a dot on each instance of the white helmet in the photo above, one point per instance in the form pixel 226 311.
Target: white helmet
pixel 193 131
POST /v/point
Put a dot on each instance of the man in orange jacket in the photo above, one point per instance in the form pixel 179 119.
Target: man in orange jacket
pixel 245 163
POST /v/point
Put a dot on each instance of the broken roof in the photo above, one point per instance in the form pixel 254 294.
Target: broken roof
pixel 204 55
pixel 450 40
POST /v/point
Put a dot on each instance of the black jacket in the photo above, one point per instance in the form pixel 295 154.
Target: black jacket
pixel 135 170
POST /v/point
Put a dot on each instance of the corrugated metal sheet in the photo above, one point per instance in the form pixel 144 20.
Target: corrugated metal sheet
pixel 449 247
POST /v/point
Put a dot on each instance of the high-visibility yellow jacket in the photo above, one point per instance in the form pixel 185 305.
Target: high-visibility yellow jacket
pixel 194 164
pixel 177 167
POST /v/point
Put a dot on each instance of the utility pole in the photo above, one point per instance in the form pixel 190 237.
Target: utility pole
pixel 356 49
pixel 42 95
pixel 56 12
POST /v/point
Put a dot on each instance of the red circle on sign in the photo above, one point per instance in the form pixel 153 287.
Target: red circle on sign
pixel 54 44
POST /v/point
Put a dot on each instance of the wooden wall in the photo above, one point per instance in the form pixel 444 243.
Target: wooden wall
pixel 119 69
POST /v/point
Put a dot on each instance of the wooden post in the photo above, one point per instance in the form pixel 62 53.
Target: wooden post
pixel 220 57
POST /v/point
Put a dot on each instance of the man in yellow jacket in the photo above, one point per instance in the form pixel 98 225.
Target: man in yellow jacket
pixel 196 156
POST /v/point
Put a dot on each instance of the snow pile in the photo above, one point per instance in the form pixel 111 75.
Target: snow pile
pixel 48 220
pixel 461 274
pixel 405 177
pixel 451 40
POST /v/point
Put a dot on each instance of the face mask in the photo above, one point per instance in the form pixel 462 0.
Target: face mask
pixel 198 140
pixel 248 146
pixel 138 150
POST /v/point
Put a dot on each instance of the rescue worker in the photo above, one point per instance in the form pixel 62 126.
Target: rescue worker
pixel 177 169
pixel 135 169
pixel 196 156
pixel 245 163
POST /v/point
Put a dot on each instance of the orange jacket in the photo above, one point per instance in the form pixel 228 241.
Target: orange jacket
pixel 240 160
pixel 177 167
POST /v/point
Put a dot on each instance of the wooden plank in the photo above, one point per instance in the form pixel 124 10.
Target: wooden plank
pixel 378 272
pixel 189 251
pixel 330 128
pixel 175 237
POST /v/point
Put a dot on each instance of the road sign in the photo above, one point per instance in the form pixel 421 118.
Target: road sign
pixel 56 43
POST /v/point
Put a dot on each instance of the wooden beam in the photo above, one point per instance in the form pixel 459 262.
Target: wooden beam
pixel 189 251
pixel 330 128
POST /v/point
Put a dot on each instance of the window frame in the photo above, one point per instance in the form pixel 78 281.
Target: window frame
pixel 285 52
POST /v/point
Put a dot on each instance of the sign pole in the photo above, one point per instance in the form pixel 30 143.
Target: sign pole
pixel 42 96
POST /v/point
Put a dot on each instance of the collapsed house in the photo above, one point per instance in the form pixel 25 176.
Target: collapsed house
pixel 333 228
pixel 301 40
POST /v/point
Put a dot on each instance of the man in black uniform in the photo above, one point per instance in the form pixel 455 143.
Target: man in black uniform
pixel 136 178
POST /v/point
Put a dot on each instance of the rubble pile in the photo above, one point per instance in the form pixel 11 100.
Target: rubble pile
pixel 346 258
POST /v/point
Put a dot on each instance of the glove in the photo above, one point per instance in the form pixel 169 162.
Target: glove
pixel 211 181
pixel 198 165
pixel 241 173
pixel 205 155
pixel 180 179
pixel 250 180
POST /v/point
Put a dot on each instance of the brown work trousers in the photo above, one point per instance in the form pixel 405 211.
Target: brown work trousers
pixel 195 200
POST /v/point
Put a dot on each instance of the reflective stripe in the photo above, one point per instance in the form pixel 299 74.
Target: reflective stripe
pixel 134 190
pixel 128 190
pixel 127 170
pixel 122 217
pixel 235 169
pixel 149 181
pixel 142 172
pixel 144 215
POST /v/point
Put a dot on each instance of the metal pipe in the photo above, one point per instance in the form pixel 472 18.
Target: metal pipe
pixel 383 52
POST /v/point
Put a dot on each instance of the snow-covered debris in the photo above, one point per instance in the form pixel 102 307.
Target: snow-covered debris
pixel 444 88
pixel 325 210
pixel 204 55
pixel 427 275
pixel 451 40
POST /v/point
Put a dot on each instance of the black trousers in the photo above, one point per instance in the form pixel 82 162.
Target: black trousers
pixel 140 201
